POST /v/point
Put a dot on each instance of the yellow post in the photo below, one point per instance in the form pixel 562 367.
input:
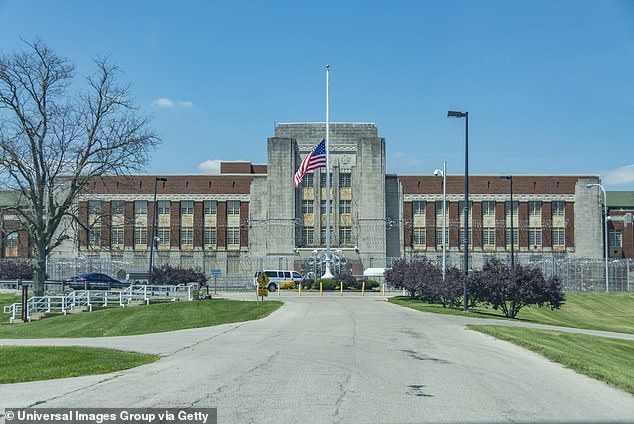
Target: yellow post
pixel 341 287
pixel 363 288
pixel 382 289
pixel 321 288
pixel 300 288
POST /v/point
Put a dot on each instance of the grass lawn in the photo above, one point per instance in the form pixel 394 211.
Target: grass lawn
pixel 608 360
pixel 594 311
pixel 32 363
pixel 142 319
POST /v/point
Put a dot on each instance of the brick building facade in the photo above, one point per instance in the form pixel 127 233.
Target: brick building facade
pixel 253 210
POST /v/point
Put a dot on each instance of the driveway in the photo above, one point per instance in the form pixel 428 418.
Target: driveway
pixel 337 359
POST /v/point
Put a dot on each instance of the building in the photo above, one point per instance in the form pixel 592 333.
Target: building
pixel 620 224
pixel 251 216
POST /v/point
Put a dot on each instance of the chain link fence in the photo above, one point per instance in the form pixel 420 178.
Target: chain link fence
pixel 237 273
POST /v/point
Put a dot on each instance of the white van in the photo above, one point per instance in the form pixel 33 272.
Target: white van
pixel 277 277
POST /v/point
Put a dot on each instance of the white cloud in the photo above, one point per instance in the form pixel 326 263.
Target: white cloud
pixel 618 176
pixel 164 102
pixel 210 167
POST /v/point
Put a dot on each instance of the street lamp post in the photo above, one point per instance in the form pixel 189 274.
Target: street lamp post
pixel 605 232
pixel 510 178
pixel 153 233
pixel 456 114
pixel 444 216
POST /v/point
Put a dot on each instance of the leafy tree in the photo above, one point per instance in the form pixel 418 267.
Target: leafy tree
pixel 451 290
pixel 419 278
pixel 512 289
pixel 399 277
pixel 55 138
pixel 169 275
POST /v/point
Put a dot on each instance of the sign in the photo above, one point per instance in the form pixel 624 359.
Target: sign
pixel 264 292
pixel 263 280
pixel 216 273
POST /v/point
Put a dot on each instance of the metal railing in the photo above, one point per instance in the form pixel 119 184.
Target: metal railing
pixel 89 299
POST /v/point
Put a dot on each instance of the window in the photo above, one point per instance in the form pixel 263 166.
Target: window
pixel 469 240
pixel 322 179
pixel 187 207
pixel 307 206
pixel 345 235
pixel 117 207
pixel 11 245
pixel 94 207
pixel 559 208
pixel 615 238
pixel 419 236
pixel 488 208
pixel 461 209
pixel 308 236
pixel 344 179
pixel 345 206
pixel 534 208
pixel 140 207
pixel 322 234
pixel 140 235
pixel 116 237
pixel 94 237
pixel 488 237
pixel 233 207
pixel 559 237
pixel 210 207
pixel 209 235
pixel 507 208
pixel 439 237
pixel 233 236
pixel 163 233
pixel 308 180
pixel 516 241
pixel 187 236
pixel 323 207
pixel 164 207
pixel 418 208
pixel 535 236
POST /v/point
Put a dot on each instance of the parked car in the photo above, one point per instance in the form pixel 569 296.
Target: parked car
pixel 277 277
pixel 94 281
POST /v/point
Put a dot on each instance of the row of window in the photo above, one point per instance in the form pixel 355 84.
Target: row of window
pixel 308 236
pixel 163 236
pixel 419 236
pixel 210 207
pixel 345 206
pixel 488 208
pixel 345 180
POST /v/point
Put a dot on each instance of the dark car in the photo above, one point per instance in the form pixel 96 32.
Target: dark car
pixel 94 281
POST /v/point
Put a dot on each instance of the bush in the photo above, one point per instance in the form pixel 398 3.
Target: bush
pixel 512 289
pixel 327 284
pixel 419 278
pixel 12 270
pixel 450 291
pixel 370 284
pixel 168 275
pixel 349 282
pixel 286 285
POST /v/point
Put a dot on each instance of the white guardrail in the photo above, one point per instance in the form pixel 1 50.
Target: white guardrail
pixel 89 299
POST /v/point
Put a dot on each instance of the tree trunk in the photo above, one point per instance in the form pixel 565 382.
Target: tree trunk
pixel 39 270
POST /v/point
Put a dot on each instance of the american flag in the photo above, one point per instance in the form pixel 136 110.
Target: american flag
pixel 315 159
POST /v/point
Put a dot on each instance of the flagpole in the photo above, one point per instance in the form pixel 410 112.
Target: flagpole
pixel 327 274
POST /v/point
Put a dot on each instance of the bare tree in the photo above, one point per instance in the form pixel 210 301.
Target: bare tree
pixel 55 138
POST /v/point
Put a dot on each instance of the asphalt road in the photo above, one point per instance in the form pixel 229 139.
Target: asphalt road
pixel 337 360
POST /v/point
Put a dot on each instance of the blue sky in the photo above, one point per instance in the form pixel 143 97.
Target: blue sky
pixel 549 84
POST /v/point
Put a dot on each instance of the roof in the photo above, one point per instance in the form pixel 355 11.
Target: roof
pixel 620 199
